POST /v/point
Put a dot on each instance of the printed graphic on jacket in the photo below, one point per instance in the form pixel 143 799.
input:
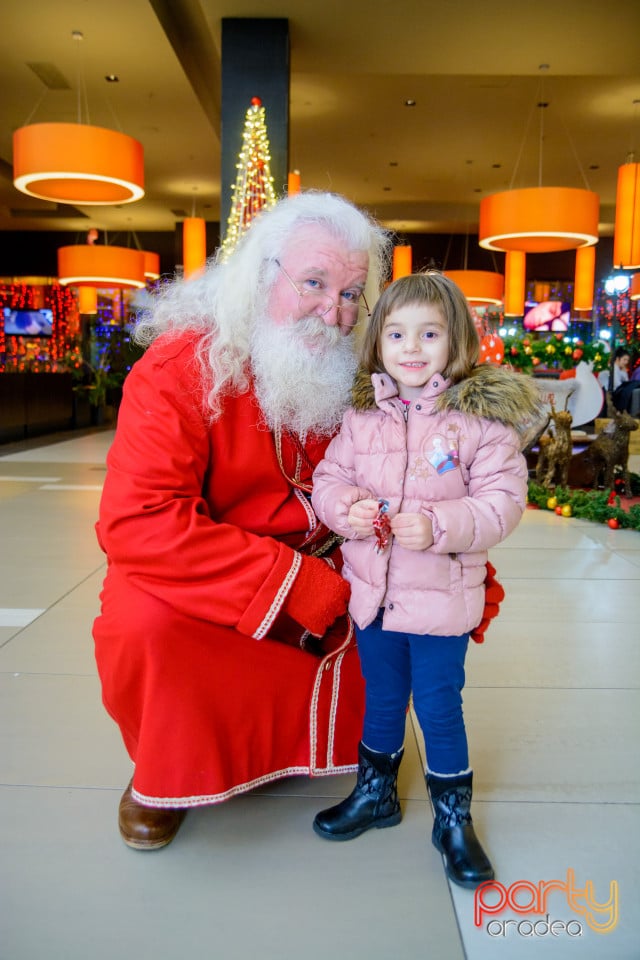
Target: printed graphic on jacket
pixel 443 455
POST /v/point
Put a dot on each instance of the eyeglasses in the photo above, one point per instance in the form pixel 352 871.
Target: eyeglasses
pixel 323 303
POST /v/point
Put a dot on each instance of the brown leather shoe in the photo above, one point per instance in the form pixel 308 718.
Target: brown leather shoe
pixel 147 828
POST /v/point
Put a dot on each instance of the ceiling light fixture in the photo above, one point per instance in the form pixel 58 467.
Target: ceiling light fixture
pixel 585 277
pixel 537 220
pixel 626 237
pixel 151 265
pixel 194 243
pixel 402 261
pixel 76 163
pixel 93 265
pixel 482 288
pixel 293 183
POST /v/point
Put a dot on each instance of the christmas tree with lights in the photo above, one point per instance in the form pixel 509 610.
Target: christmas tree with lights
pixel 253 190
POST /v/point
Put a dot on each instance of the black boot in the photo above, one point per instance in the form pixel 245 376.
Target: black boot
pixel 372 803
pixel 453 835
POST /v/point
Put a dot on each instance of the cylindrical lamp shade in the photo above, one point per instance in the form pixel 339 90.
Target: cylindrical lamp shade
pixel 514 284
pixel 584 278
pixel 402 261
pixel 194 246
pixel 539 219
pixel 88 300
pixel 77 163
pixel 293 182
pixel 151 265
pixel 634 289
pixel 626 237
pixel 94 266
pixel 480 287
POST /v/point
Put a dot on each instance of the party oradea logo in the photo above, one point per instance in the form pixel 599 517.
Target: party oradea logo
pixel 531 900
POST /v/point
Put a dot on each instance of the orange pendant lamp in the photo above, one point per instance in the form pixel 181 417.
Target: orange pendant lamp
pixel 101 266
pixel 584 278
pixel 515 282
pixel 151 265
pixel 77 163
pixel 293 183
pixel 634 289
pixel 626 237
pixel 402 261
pixel 194 246
pixel 482 288
pixel 539 219
pixel 87 300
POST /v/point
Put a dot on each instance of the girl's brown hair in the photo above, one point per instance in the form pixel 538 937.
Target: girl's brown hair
pixel 430 287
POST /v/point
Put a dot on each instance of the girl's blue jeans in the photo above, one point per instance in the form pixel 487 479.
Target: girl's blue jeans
pixel 394 665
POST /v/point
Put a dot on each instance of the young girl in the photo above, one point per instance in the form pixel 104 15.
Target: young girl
pixel 424 477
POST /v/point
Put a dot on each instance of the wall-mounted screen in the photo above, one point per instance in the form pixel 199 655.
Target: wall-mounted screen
pixel 547 315
pixel 28 323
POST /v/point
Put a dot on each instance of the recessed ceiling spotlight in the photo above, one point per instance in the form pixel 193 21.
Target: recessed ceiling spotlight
pixel 594 166
pixel 393 163
pixel 496 166
pixel 386 188
pixel 112 78
pixel 410 103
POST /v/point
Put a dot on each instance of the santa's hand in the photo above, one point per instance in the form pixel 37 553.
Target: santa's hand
pixel 317 597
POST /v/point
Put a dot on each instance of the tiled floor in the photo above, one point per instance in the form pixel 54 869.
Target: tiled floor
pixel 553 714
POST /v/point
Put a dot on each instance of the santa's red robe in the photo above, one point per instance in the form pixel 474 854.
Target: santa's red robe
pixel 215 689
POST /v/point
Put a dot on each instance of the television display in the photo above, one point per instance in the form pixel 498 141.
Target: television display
pixel 547 315
pixel 28 323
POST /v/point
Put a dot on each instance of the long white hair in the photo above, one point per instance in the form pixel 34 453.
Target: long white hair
pixel 224 303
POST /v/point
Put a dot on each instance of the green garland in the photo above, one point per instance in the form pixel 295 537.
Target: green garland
pixel 557 351
pixel 591 505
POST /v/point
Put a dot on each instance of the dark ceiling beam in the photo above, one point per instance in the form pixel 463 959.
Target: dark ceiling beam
pixel 188 33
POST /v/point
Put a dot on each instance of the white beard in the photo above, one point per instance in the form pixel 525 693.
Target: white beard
pixel 303 373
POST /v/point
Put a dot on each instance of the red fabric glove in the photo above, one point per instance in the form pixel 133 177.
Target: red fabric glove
pixel 318 596
pixel 494 595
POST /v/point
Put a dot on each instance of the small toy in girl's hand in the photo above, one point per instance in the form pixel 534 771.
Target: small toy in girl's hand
pixel 382 526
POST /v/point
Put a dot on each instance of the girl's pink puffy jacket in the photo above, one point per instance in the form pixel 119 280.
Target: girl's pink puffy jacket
pixel 457 459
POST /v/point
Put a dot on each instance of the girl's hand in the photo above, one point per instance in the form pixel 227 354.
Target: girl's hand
pixel 412 531
pixel 362 514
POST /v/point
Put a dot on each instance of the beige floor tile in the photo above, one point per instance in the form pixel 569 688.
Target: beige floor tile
pixel 539 842
pixel 58 642
pixel 55 732
pixel 597 563
pixel 246 879
pixel 554 744
pixel 546 653
pixel 605 601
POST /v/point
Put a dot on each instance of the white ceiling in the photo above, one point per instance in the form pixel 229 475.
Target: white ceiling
pixel 473 68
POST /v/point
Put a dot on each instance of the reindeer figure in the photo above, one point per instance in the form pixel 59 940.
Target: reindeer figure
pixel 610 449
pixel 555 450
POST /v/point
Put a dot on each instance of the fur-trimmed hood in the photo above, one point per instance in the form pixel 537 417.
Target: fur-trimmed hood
pixel 495 393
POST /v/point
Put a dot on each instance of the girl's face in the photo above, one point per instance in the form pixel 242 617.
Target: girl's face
pixel 414 345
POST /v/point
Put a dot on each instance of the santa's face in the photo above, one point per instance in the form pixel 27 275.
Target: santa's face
pixel 319 277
